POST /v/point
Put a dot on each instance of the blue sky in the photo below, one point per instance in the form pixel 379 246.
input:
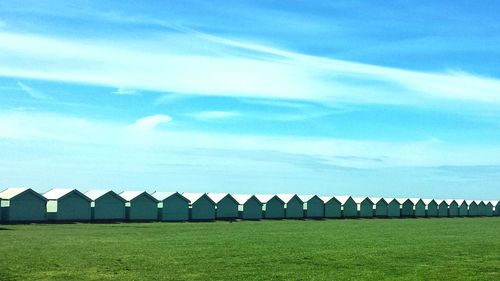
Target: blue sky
pixel 400 99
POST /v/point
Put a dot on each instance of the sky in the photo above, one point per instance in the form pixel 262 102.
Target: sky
pixel 392 99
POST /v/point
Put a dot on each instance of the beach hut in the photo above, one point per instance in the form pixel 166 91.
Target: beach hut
pixel 496 211
pixel 68 204
pixel 432 207
pixel 141 205
pixel 173 206
pixel 473 208
pixel 419 207
pixel 202 207
pixel 106 205
pixel 443 208
pixel 407 207
pixel 23 205
pixel 380 206
pixel 349 206
pixel 313 206
pixel 364 206
pixel 273 206
pixel 226 205
pixel 452 208
pixel 497 208
pixel 294 206
pixel 394 208
pixel 481 206
pixel 333 208
pixel 489 208
pixel 463 208
pixel 249 206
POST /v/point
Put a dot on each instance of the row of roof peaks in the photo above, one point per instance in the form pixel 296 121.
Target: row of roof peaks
pixel 92 195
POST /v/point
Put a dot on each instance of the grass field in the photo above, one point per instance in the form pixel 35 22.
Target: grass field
pixel 371 249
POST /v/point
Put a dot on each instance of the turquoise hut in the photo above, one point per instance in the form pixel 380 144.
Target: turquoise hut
pixel 249 206
pixel 473 208
pixel 68 204
pixel 107 205
pixel 443 208
pixel 294 206
pixel 463 208
pixel 394 208
pixel 173 206
pixel 419 207
pixel 226 205
pixel 274 207
pixel 453 209
pixel 202 207
pixel 333 208
pixel 381 206
pixel 489 208
pixel 364 206
pixel 497 208
pixel 481 206
pixel 432 207
pixel 23 205
pixel 349 206
pixel 141 205
pixel 407 207
pixel 314 207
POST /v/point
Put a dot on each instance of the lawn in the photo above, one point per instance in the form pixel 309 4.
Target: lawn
pixel 364 249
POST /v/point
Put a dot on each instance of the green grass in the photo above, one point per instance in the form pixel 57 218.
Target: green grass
pixel 371 249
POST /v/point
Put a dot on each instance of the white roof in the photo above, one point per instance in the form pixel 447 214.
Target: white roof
pixel 216 197
pixel 327 199
pixel 265 197
pixel 242 198
pixel 286 197
pixel 403 200
pixel 306 198
pixel 12 192
pixel 360 200
pixel 375 200
pixel 162 195
pixel 193 196
pixel 96 193
pixel 469 202
pixel 414 200
pixel 131 195
pixel 428 201
pixel 450 201
pixel 342 199
pixel 57 193
pixel 439 201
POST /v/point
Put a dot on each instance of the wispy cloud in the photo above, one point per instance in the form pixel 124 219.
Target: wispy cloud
pixel 294 76
pixel 214 114
pixel 126 92
pixel 33 92
pixel 150 122
pixel 328 151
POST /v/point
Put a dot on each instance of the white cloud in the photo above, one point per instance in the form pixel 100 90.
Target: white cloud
pixel 150 122
pixel 224 148
pixel 214 114
pixel 268 73
pixel 32 92
pixel 126 92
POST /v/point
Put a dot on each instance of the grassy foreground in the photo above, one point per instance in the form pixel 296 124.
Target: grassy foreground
pixel 371 249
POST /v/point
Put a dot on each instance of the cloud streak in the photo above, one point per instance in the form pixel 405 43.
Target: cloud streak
pixel 32 92
pixel 272 74
pixel 28 126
